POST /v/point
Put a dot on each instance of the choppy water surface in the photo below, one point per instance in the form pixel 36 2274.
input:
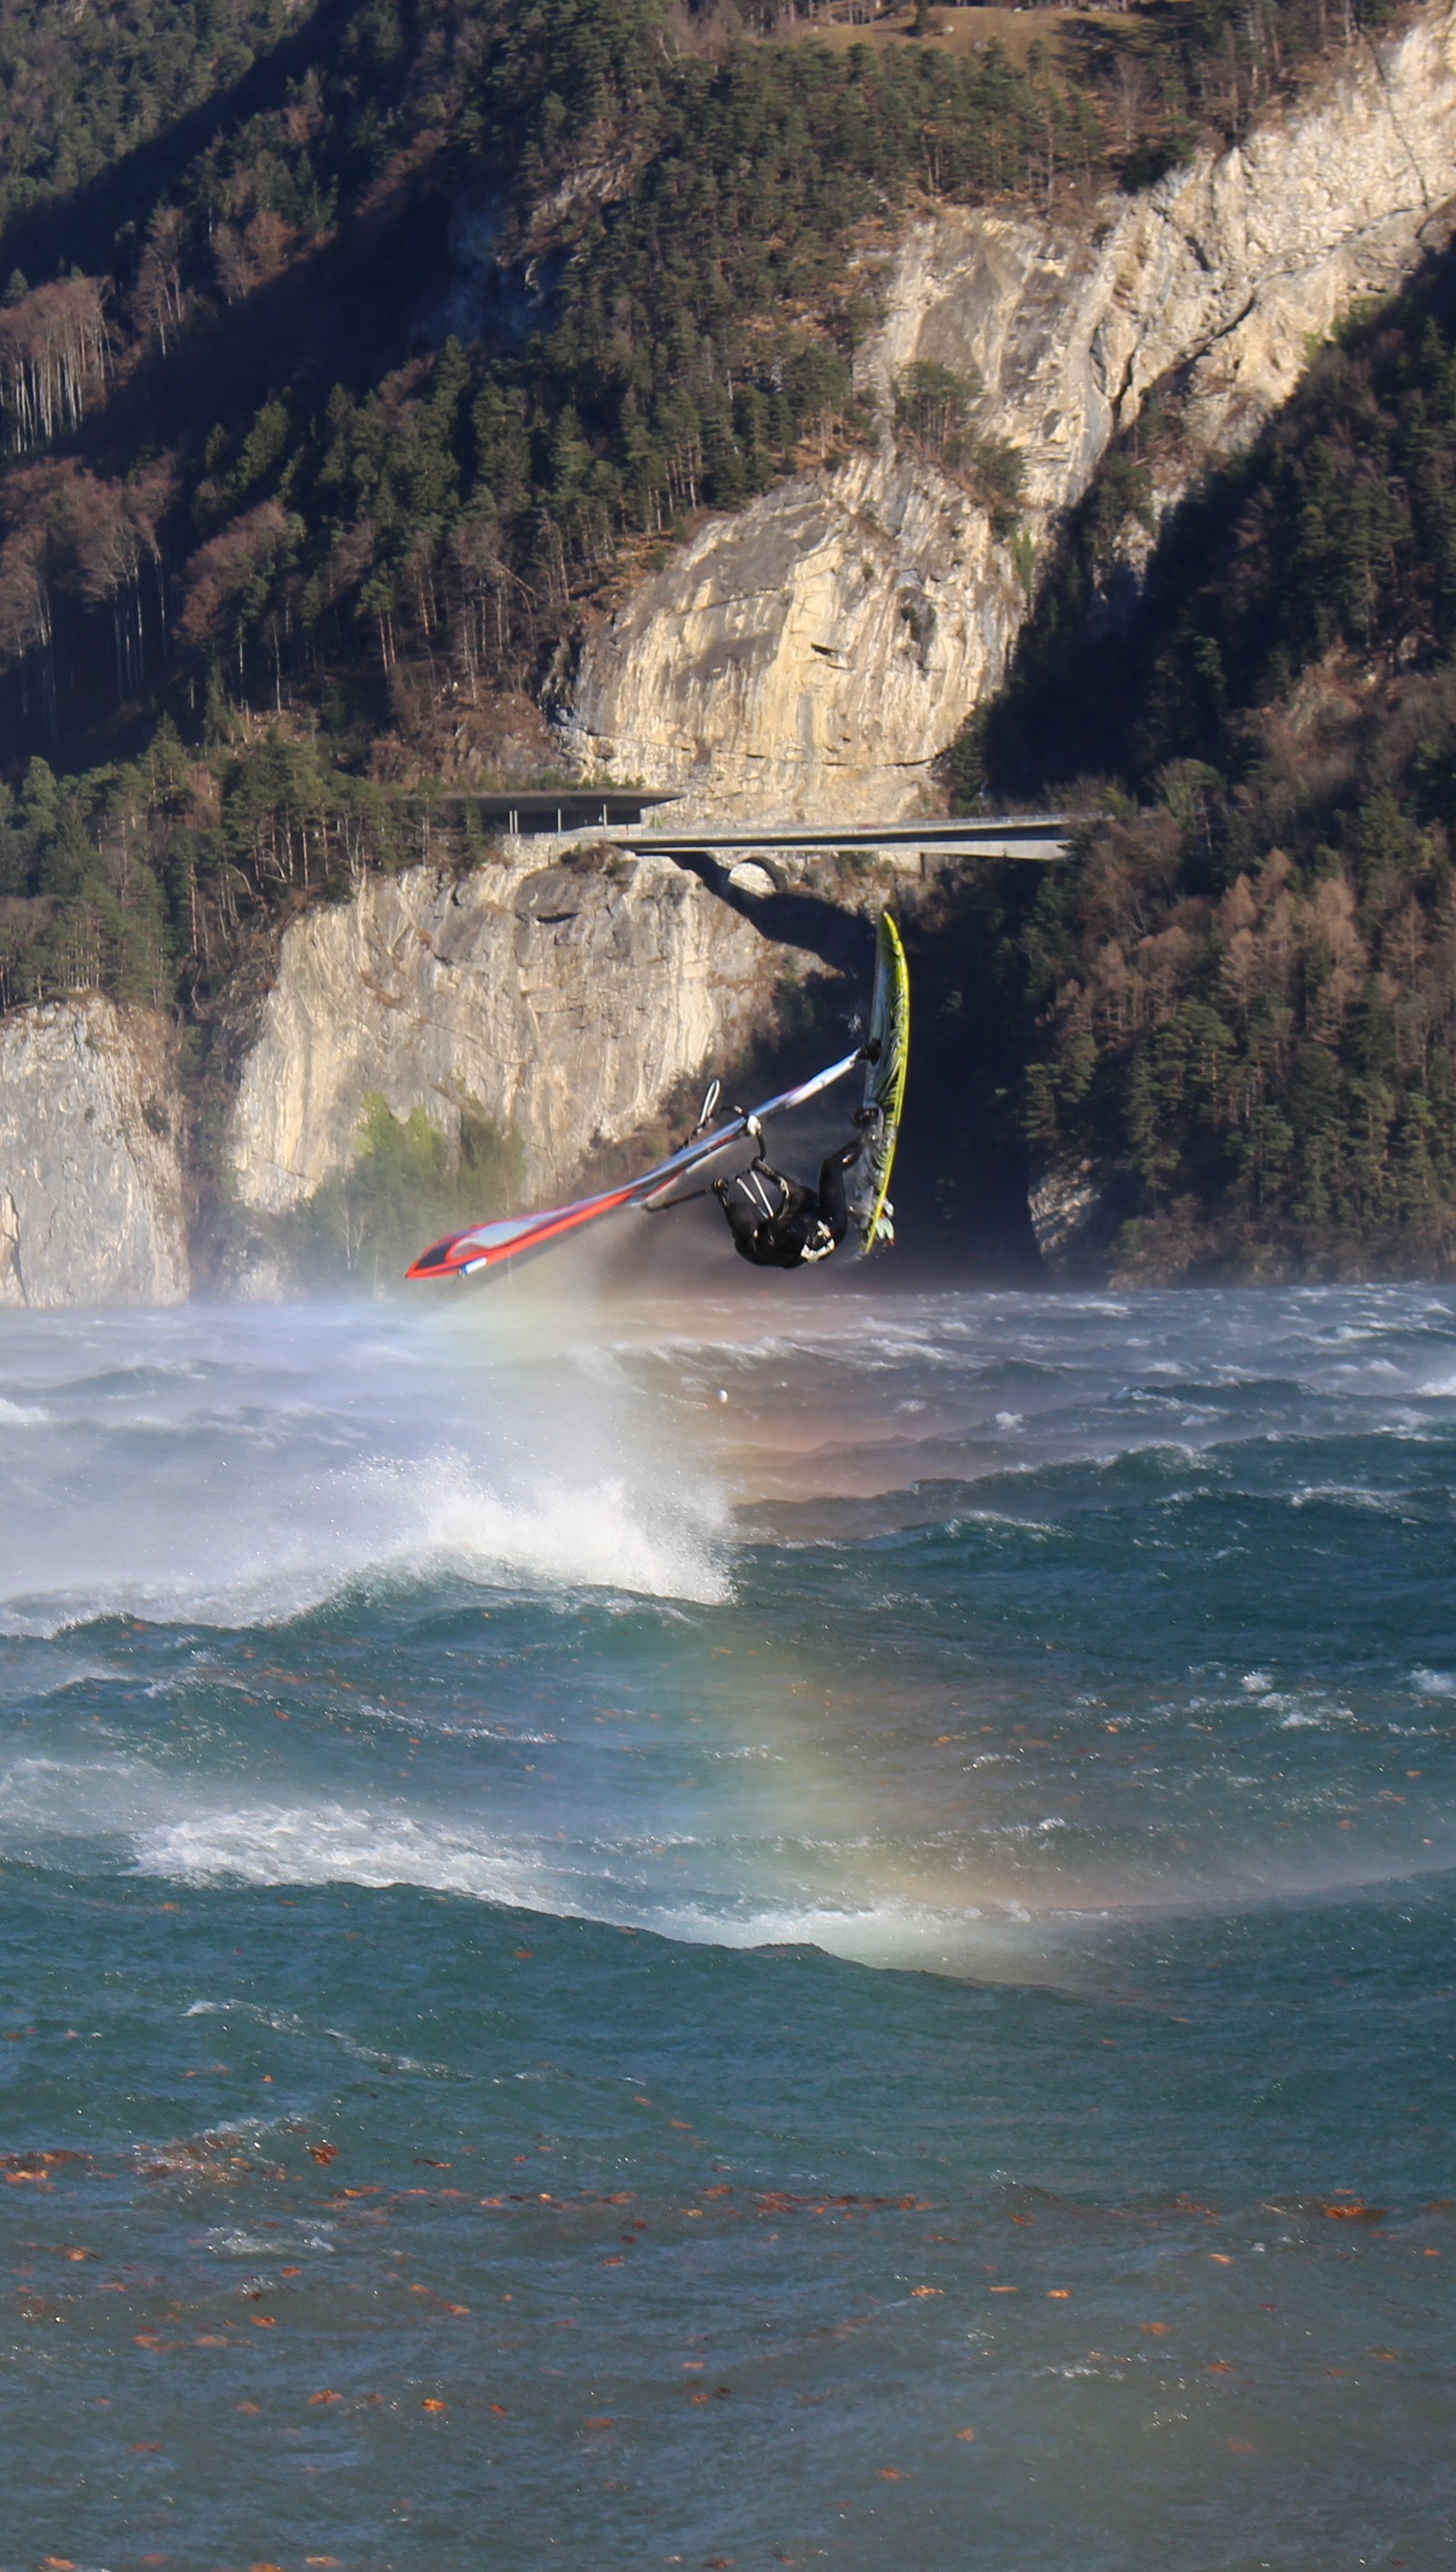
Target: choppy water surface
pixel 801 1930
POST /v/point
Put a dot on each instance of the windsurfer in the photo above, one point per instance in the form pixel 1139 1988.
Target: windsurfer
pixel 776 1221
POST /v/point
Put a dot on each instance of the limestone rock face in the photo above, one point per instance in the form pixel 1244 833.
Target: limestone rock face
pixel 565 1000
pixel 1076 1217
pixel 811 656
pixel 91 1187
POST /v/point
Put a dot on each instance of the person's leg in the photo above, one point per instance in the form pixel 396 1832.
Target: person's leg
pixel 833 1172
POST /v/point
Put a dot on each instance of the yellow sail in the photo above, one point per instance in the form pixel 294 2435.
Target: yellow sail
pixel 889 1041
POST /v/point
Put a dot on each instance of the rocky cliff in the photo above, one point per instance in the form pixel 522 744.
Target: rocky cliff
pixel 563 1000
pixel 815 654
pixel 91 1185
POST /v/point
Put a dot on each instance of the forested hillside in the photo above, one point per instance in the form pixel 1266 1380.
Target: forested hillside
pixel 347 355
pixel 334 396
pixel 1241 1009
pixel 344 354
pixel 342 409
pixel 83 87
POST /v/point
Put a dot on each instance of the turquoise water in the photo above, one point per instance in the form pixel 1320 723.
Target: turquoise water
pixel 798 1930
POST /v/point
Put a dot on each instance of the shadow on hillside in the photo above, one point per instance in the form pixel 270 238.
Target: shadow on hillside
pixel 81 228
pixel 842 940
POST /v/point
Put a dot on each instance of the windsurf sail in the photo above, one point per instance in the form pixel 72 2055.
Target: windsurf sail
pixel 493 1245
pixel 887 1058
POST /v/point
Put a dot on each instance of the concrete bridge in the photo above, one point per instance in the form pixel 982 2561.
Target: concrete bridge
pixel 633 818
pixel 1042 837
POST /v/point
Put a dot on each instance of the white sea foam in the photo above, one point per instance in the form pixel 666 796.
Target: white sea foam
pixel 983 1939
pixel 842 1890
pixel 603 1535
pixel 368 1846
pixel 381 1523
pixel 343 1844
pixel 288 2023
pixel 268 1463
pixel 229 2242
pixel 43 1796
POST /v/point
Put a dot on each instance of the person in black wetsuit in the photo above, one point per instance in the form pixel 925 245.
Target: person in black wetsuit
pixel 775 1221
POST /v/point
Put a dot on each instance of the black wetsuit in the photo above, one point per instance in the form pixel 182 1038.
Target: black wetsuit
pixel 776 1222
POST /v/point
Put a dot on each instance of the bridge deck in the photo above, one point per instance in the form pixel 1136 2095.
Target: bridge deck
pixel 1040 835
pixel 619 815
